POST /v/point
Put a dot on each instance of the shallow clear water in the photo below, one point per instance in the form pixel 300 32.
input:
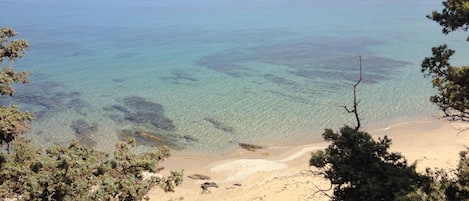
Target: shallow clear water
pixel 205 75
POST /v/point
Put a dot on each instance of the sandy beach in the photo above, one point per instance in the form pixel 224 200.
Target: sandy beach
pixel 282 173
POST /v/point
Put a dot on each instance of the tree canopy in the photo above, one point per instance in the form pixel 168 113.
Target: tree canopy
pixel 452 82
pixel 454 16
pixel 453 99
pixel 13 122
pixel 80 173
pixel 360 168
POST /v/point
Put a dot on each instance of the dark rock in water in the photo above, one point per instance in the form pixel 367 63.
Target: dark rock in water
pixel 64 95
pixel 219 125
pixel 83 130
pixel 250 147
pixel 151 138
pixel 86 140
pixel 39 132
pixel 155 119
pixel 153 127
pixel 278 80
pixel 82 127
pixel 77 103
pixel 119 80
pixel 108 108
pixel 118 119
pixel 61 94
pixel 46 99
pixel 136 118
pixel 40 115
pixel 47 85
pixel 143 112
pixel 199 176
pixel 53 102
pixel 190 138
pixel 140 104
pixel 120 108
pixel 49 103
pixel 74 94
pixel 162 122
pixel 180 76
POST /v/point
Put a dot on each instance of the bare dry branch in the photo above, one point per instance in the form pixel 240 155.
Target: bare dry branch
pixel 355 102
pixel 322 191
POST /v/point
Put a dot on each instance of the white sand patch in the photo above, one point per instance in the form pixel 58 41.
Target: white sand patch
pixel 243 168
pixel 302 152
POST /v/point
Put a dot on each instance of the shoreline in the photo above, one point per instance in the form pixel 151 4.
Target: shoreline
pixel 282 172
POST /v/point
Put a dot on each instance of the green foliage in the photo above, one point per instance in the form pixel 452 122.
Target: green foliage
pixel 452 82
pixel 454 186
pixel 459 190
pixel 13 122
pixel 11 50
pixel 454 16
pixel 445 185
pixel 361 169
pixel 453 99
pixel 80 173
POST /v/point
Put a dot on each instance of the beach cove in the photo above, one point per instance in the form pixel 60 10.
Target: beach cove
pixel 207 77
pixel 240 91
pixel 282 173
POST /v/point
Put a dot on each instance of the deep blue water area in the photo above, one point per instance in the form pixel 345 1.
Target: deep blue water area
pixel 205 75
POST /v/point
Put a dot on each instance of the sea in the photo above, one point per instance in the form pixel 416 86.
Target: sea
pixel 201 76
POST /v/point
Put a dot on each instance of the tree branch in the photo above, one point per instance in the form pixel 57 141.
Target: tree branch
pixel 355 102
pixel 322 191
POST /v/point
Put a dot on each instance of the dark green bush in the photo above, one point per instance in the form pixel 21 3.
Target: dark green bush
pixel 80 173
pixel 360 168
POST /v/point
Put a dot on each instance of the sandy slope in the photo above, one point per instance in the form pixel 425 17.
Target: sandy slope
pixel 282 173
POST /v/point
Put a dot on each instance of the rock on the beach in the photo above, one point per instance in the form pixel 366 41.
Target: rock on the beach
pixel 199 176
pixel 206 185
pixel 250 147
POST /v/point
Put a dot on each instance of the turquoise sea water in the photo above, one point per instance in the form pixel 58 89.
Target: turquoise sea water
pixel 205 75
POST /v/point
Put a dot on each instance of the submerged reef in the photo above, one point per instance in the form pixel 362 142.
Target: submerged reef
pixel 79 105
pixel 137 110
pixel 152 138
pixel 149 124
pixel 180 77
pixel 84 130
pixel 47 98
pixel 321 58
pixel 219 125
pixel 82 127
